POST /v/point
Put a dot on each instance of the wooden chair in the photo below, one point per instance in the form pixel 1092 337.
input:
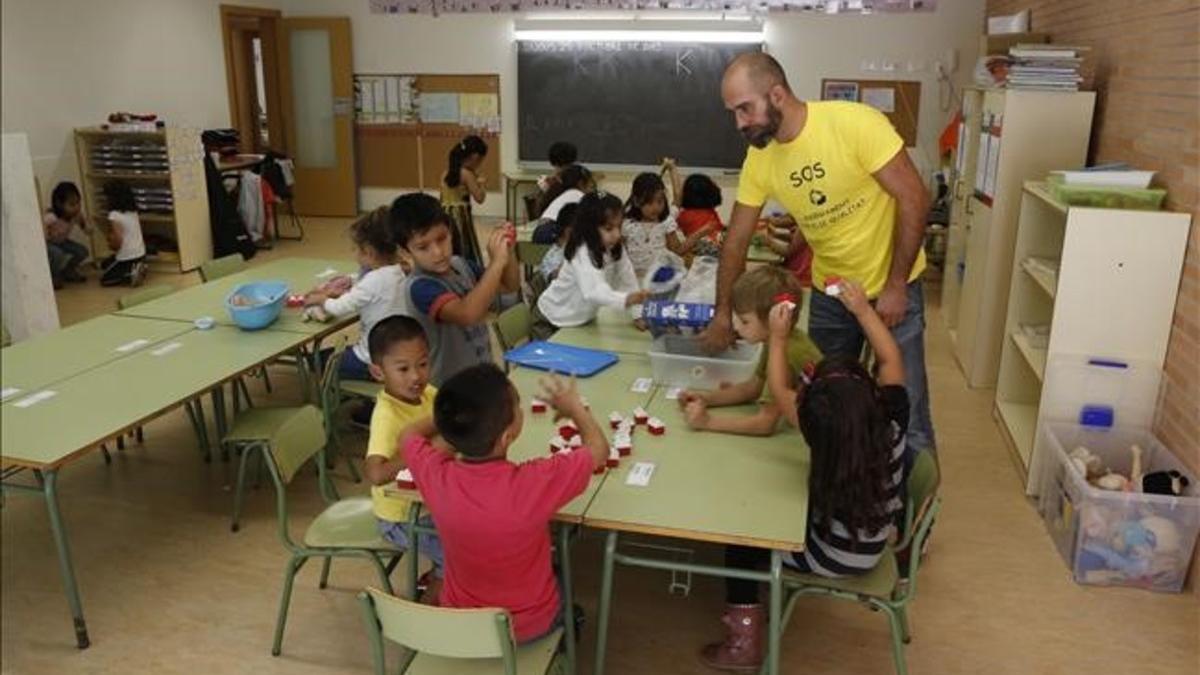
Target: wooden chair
pixel 442 641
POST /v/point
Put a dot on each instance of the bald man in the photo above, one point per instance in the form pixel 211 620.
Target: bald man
pixel 840 169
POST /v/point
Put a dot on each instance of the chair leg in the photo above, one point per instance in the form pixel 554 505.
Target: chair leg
pixel 141 437
pixel 121 442
pixel 104 451
pixel 384 579
pixel 325 565
pixel 350 465
pixel 241 384
pixel 906 634
pixel 293 567
pixel 897 628
pixel 239 490
pixel 266 381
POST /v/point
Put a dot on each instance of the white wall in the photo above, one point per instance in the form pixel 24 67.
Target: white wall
pixel 809 47
pixel 68 63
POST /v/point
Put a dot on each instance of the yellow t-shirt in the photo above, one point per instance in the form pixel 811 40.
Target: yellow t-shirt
pixel 389 418
pixel 823 177
pixel 801 352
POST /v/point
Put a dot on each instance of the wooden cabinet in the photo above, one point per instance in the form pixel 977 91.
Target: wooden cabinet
pixel 1007 137
pixel 1088 283
pixel 166 170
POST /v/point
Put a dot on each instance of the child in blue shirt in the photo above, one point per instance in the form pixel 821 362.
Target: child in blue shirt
pixel 447 294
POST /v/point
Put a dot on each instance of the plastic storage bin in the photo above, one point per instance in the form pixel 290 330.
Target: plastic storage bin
pixel 257 304
pixel 1107 197
pixel 679 361
pixel 1118 538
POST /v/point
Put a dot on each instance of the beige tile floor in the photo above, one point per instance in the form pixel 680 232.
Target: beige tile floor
pixel 168 589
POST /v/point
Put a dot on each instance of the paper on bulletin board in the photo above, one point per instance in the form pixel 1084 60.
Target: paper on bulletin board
pixel 392 109
pixel 439 108
pixel 882 99
pixel 474 110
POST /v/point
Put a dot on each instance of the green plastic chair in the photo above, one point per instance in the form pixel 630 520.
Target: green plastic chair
pixel 345 529
pixel 530 254
pixel 442 641
pixel 144 294
pixel 212 270
pixel 258 428
pixel 513 326
pixel 883 588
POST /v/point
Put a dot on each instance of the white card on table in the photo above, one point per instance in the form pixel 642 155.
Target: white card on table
pixel 327 272
pixel 673 393
pixel 639 474
pixel 8 392
pixel 641 385
pixel 34 399
pixel 132 345
pixel 167 348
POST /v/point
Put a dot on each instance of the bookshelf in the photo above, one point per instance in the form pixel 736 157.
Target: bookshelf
pixel 166 170
pixel 1006 138
pixel 1113 297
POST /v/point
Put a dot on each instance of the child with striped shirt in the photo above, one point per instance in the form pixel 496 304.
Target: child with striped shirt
pixel 855 428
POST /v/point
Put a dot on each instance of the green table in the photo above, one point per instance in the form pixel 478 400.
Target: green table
pixel 706 487
pixel 35 437
pixel 611 331
pixel 36 363
pixel 208 299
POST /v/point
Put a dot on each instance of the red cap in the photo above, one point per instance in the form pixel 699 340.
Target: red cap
pixel 783 297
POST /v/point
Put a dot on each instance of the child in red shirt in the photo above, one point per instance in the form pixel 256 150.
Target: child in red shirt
pixel 493 515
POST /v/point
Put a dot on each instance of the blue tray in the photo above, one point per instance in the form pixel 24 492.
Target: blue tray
pixel 561 358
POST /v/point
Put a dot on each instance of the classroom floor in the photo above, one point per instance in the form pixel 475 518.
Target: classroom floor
pixel 168 589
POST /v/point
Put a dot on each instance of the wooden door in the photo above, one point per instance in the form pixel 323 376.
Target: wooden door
pixel 318 96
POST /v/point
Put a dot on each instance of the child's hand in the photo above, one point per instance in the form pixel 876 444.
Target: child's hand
pixel 687 396
pixel 636 298
pixel 641 325
pixel 853 296
pixel 563 396
pixel 314 298
pixel 696 414
pixel 668 164
pixel 779 321
pixel 499 247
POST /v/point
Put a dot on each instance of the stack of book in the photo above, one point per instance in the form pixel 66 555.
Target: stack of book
pixel 1045 67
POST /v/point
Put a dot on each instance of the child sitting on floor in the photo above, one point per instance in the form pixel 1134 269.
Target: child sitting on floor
pixel 400 360
pixel 854 426
pixel 493 515
pixel 59 222
pixel 127 264
pixel 754 294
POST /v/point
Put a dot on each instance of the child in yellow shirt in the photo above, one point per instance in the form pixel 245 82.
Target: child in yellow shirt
pixel 400 360
pixel 754 294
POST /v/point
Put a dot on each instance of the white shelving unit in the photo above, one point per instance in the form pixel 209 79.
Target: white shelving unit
pixel 1007 138
pixel 1113 298
pixel 186 222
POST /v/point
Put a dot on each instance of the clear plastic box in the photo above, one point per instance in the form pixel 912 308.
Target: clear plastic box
pixel 1118 538
pixel 679 361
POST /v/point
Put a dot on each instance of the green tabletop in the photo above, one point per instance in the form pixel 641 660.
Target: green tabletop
pixel 301 274
pixel 48 358
pixel 102 402
pixel 709 486
pixel 611 331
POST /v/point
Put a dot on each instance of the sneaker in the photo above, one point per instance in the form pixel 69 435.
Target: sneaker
pixel 138 274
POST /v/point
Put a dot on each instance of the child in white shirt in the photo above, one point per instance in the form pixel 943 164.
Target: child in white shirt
pixel 649 225
pixel 127 265
pixel 374 296
pixel 596 272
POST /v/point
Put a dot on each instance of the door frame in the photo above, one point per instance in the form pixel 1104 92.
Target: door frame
pixel 268 21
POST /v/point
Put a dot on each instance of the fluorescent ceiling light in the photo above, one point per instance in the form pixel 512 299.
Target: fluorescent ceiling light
pixel 720 36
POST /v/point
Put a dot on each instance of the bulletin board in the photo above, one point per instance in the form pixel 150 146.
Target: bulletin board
pixel 405 150
pixel 899 100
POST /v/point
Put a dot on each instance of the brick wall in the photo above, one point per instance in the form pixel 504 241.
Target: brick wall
pixel 1144 65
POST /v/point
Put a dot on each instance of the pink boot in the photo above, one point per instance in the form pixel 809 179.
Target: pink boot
pixel 742 650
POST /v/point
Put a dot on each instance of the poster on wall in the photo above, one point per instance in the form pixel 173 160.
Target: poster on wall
pixel 839 91
pixel 882 99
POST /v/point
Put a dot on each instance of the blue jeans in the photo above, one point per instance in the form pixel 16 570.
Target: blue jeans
pixel 65 255
pixel 428 545
pixel 835 330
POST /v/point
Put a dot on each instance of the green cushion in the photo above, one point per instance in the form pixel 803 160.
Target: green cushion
pixel 349 523
pixel 879 582
pixel 533 658
pixel 256 424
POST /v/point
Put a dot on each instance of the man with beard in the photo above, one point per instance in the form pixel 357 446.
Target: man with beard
pixel 840 169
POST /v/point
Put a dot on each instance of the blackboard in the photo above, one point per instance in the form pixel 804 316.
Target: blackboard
pixel 628 102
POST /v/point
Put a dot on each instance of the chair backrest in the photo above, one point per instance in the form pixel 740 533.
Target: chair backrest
pixel 513 326
pixel 296 441
pixel 529 253
pixel 327 387
pixel 923 480
pixel 144 294
pixel 449 633
pixel 222 267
